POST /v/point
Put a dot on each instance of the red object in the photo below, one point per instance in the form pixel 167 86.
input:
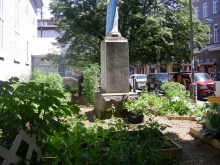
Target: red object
pixel 205 86
pixel 78 71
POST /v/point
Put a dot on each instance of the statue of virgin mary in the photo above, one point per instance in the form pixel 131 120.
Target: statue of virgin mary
pixel 112 17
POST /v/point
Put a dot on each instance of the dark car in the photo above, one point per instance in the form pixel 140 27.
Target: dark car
pixel 154 80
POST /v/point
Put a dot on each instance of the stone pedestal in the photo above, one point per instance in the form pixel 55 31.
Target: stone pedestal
pixel 114 65
pixel 107 105
pixel 114 78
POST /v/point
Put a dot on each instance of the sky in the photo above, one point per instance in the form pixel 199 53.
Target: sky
pixel 45 9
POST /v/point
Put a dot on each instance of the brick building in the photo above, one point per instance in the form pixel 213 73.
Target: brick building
pixel 208 12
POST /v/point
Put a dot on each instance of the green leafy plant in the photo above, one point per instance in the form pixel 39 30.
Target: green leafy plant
pixel 174 89
pixel 112 142
pixel 91 81
pixel 179 107
pixel 151 99
pixel 159 104
pixel 154 103
pixel 163 105
pixel 136 106
pixel 212 124
pixel 197 110
pixel 35 108
pixel 179 102
pixel 53 79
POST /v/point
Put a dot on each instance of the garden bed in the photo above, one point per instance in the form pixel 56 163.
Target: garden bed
pixel 181 118
pixel 213 142
pixel 174 152
pixel 147 145
pixel 214 99
pixel 179 130
pixel 167 148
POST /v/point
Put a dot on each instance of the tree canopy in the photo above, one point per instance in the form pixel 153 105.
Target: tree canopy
pixel 148 25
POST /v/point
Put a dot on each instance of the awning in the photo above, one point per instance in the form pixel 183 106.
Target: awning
pixel 203 64
pixel 187 64
pixel 207 63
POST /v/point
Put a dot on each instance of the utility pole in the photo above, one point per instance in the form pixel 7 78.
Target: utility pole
pixel 193 86
pixel 41 23
pixel 158 58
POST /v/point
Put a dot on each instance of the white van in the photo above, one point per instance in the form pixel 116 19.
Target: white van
pixel 140 81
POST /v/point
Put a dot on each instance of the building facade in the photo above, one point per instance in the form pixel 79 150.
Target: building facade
pixel 18 28
pixel 46 28
pixel 208 12
pixel 46 44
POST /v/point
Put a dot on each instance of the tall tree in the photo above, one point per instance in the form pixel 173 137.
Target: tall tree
pixel 147 24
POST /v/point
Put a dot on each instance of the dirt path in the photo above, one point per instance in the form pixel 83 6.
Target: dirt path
pixel 195 152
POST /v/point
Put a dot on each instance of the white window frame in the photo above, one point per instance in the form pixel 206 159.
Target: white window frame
pixel 17 51
pixel 17 12
pixel 196 12
pixel 27 53
pixel 17 34
pixel 27 7
pixel 215 7
pixel 216 33
pixel 1 29
pixel 205 10
pixel 1 8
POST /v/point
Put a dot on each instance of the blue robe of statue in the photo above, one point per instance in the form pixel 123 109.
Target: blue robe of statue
pixel 111 10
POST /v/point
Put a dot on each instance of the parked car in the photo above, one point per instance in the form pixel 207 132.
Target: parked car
pixel 154 80
pixel 205 84
pixel 140 81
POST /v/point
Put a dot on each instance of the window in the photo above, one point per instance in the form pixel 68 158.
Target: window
pixel 213 59
pixel 17 34
pixel 207 60
pixel 16 15
pixel 1 28
pixel 33 20
pixel 17 50
pixel 27 53
pixel 27 7
pixel 215 6
pixel 216 34
pixel 197 13
pixel 205 10
pixel 209 35
pixel 1 9
pixel 1 38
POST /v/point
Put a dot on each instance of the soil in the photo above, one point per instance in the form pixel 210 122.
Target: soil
pixel 195 151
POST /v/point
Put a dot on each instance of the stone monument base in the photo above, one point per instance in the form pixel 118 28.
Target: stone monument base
pixel 107 105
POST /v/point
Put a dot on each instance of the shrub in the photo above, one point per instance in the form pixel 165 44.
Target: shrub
pixel 35 108
pixel 163 105
pixel 53 79
pixel 91 81
pixel 174 89
pixel 135 106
